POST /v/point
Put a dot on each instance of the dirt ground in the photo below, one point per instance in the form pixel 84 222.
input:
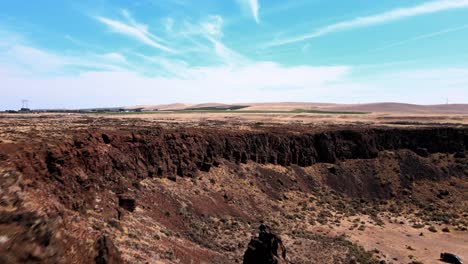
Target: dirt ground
pixel 241 120
pixel 389 119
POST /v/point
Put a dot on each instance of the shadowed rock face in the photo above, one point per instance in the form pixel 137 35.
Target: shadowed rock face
pixel 184 153
pixel 118 158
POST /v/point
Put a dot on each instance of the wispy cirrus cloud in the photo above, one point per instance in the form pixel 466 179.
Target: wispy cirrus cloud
pixel 207 36
pixel 253 6
pixel 169 24
pixel 385 17
pixel 134 30
pixel 39 61
pixel 19 54
pixel 423 36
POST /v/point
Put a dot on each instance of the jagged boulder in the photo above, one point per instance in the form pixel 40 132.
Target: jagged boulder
pixel 267 248
pixel 127 202
pixel 107 253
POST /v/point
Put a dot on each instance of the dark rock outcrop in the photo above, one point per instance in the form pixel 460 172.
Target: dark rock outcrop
pixel 460 155
pixel 267 248
pixel 107 253
pixel 450 258
pixel 126 202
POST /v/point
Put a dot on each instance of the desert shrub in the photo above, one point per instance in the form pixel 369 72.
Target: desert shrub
pixel 323 216
pixel 377 220
pixel 3 157
pixel 166 232
pixel 418 225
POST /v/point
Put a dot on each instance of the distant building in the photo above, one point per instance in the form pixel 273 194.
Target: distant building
pixel 124 110
pixel 24 110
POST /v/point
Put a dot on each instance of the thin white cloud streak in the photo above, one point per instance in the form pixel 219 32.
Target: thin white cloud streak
pixel 400 43
pixel 228 56
pixel 385 17
pixel 252 6
pixel 114 57
pixel 424 36
pixel 20 53
pixel 141 27
pixel 169 24
pixel 134 30
pixel 36 61
pixel 210 30
pixel 212 26
pixel 170 67
pixel 83 44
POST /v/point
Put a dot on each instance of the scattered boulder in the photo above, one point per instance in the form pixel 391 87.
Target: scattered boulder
pixel 126 202
pixel 206 167
pixel 332 169
pixel 106 139
pixel 443 193
pixel 267 248
pixel 422 152
pixel 172 178
pixel 450 258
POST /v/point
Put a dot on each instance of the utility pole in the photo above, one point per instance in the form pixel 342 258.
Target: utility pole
pixel 24 106
pixel 24 103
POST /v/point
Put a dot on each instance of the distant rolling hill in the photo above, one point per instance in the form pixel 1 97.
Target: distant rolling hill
pixel 386 107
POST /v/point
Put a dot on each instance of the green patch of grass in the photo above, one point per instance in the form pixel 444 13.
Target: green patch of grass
pixel 297 111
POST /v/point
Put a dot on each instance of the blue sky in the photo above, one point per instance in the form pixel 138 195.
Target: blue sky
pixel 74 54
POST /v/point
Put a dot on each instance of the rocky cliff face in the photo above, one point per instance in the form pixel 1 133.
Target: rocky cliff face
pixel 161 153
pixel 103 157
pixel 117 159
pixel 73 171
